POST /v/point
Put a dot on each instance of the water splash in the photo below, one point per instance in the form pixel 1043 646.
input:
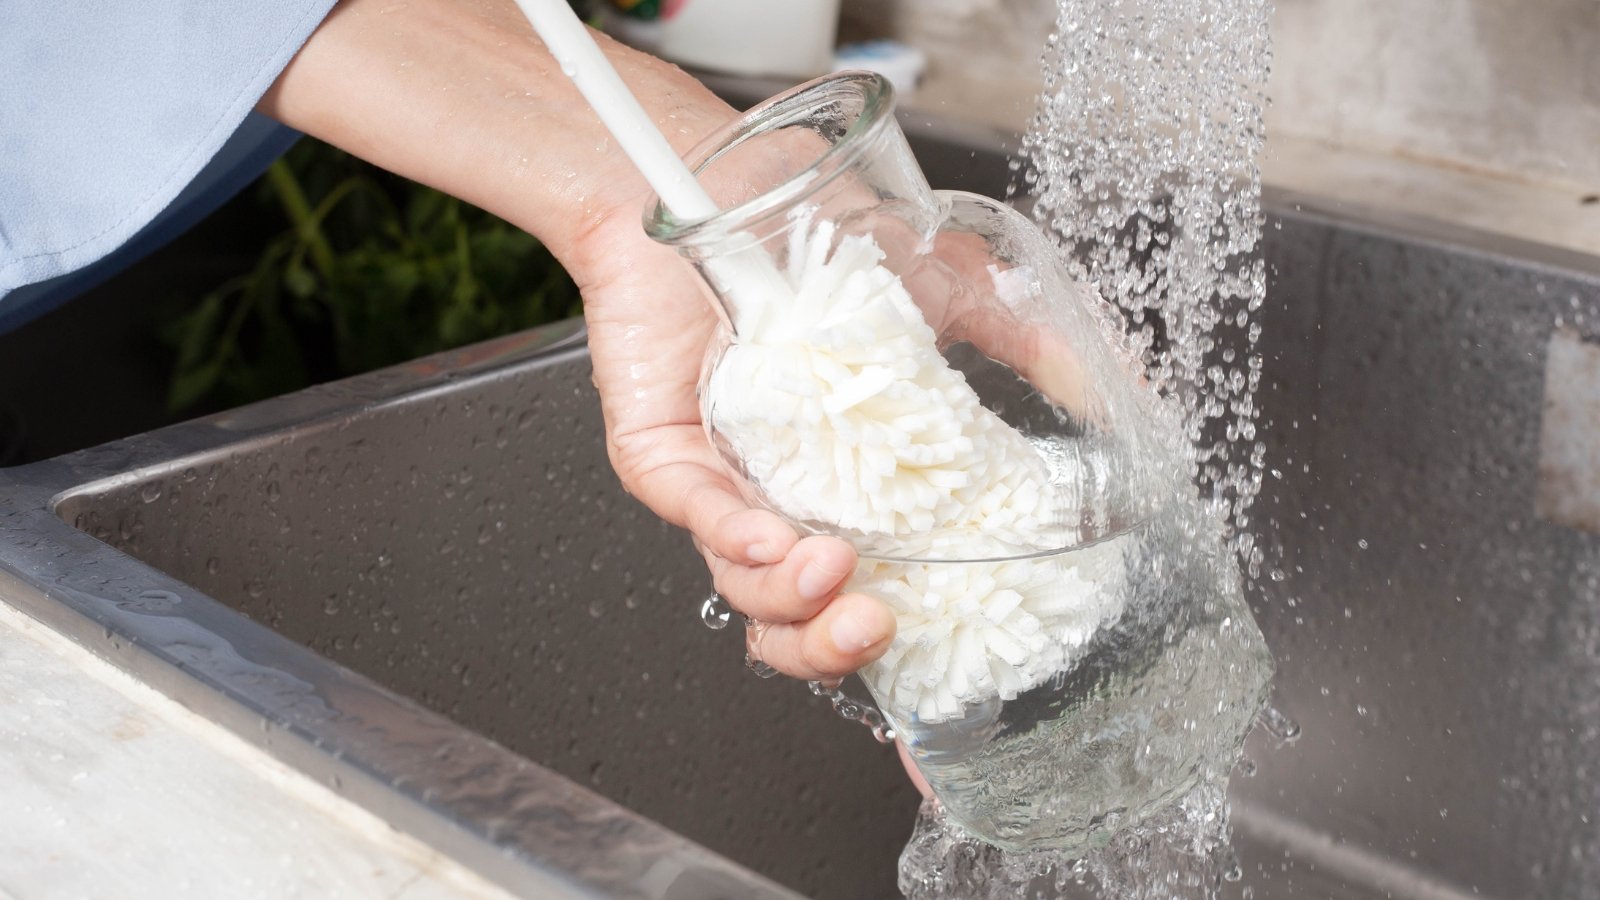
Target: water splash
pixel 1282 728
pixel 1142 161
pixel 1181 854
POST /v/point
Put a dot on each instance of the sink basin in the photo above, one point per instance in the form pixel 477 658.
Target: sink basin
pixel 425 587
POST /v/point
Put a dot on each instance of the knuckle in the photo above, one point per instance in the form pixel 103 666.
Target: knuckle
pixel 719 573
pixel 692 508
pixel 698 508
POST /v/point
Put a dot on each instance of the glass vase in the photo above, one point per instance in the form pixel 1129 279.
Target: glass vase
pixel 912 370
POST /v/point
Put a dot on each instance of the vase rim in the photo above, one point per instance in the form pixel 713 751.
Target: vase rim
pixel 871 92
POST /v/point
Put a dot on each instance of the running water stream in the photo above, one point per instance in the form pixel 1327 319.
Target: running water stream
pixel 1142 161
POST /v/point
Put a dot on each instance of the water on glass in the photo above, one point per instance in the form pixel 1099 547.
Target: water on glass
pixel 1142 161
pixel 1153 707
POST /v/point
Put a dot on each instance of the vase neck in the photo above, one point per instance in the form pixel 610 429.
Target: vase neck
pixel 828 154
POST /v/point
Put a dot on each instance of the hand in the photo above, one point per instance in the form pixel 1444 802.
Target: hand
pixel 465 98
pixel 649 324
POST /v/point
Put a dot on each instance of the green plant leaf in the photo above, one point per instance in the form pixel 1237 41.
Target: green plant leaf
pixel 191 385
pixel 299 280
pixel 369 270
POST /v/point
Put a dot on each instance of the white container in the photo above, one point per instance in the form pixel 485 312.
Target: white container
pixel 791 38
pixel 902 64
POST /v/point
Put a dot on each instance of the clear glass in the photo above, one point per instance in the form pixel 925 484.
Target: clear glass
pixel 913 371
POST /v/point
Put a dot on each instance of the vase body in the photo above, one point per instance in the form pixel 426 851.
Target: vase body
pixel 913 371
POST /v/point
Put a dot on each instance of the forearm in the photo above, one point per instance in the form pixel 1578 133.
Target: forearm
pixel 464 97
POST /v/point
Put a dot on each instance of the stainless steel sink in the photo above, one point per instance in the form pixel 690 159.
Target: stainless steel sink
pixel 425 587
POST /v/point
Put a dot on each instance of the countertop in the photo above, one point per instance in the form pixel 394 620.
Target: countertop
pixel 110 789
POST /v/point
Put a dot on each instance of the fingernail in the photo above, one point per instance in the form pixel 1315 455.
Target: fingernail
pixel 763 553
pixel 815 582
pixel 852 634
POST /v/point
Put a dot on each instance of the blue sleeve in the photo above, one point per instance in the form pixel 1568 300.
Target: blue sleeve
pixel 110 111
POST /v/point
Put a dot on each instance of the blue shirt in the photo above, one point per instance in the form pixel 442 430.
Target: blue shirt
pixel 123 123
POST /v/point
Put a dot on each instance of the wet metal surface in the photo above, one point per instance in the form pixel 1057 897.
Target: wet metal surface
pixel 1440 650
pixel 517 822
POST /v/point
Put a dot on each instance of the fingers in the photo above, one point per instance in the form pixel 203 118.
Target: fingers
pixel 790 585
pixel 917 781
pixel 793 589
pixel 758 563
pixel 724 524
pixel 851 631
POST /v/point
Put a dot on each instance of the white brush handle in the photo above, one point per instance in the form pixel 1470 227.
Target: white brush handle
pixel 581 60
pixel 750 274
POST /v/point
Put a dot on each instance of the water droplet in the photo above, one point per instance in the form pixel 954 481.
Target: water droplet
pixel 1231 870
pixel 761 669
pixel 1280 726
pixel 715 612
